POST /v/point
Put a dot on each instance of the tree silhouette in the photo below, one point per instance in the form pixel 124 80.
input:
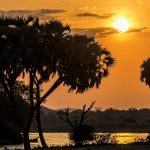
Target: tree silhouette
pixel 12 44
pixel 81 64
pixel 44 51
pixel 80 132
pixel 41 61
pixel 145 72
pixel 84 64
pixel 28 47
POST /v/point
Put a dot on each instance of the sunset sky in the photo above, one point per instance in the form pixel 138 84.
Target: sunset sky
pixel 123 88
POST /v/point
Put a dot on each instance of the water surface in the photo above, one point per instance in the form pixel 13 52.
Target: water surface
pixel 53 139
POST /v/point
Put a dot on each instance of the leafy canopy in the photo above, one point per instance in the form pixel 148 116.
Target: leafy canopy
pixel 49 49
pixel 145 72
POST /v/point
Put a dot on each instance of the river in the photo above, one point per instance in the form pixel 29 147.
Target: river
pixel 61 139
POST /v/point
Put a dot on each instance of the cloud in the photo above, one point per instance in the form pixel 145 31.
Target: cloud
pixel 18 11
pixel 103 31
pixel 104 16
pixel 136 29
pixel 51 11
pixel 38 12
pixel 15 12
pixel 43 12
pixel 90 8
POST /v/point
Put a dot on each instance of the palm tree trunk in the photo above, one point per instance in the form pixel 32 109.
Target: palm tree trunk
pixel 26 141
pixel 38 119
pixel 27 130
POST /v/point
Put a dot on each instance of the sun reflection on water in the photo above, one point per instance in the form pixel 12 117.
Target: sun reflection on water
pixel 125 138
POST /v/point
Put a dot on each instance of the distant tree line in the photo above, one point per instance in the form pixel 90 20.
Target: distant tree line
pixel 96 117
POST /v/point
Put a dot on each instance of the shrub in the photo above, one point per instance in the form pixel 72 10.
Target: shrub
pixel 82 135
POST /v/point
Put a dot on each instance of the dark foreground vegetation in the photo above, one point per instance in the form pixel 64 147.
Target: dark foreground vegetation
pixel 44 52
pixel 102 147
pixel 10 132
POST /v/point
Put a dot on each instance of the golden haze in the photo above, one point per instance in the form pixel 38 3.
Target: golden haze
pixel 122 89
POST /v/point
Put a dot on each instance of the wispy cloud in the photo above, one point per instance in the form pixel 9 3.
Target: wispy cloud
pixel 15 12
pixel 104 16
pixel 38 12
pixel 48 11
pixel 89 8
pixel 137 29
pixel 103 31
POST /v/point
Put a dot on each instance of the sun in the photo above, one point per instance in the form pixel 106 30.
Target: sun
pixel 121 24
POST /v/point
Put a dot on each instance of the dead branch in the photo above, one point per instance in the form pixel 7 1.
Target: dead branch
pixel 82 118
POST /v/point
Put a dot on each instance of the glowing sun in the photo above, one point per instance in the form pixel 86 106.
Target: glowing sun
pixel 121 24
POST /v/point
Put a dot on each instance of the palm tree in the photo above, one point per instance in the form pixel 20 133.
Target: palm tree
pixel 78 61
pixel 13 32
pixel 50 35
pixel 81 64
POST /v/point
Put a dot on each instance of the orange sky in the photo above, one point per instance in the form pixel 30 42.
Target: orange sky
pixel 122 89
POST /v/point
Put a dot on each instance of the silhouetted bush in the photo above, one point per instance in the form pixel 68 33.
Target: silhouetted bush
pixel 82 135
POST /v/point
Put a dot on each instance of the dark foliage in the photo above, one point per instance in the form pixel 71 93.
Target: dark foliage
pixel 9 128
pixel 45 50
pixel 145 72
pixel 11 133
pixel 82 135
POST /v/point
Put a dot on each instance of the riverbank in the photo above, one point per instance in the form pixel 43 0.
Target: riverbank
pixel 102 147
pixel 89 147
